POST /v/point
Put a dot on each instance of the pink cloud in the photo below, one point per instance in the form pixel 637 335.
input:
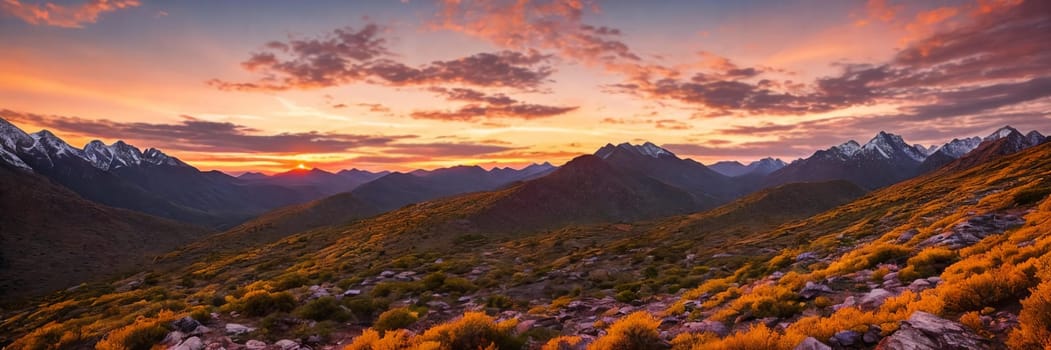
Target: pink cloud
pixel 66 16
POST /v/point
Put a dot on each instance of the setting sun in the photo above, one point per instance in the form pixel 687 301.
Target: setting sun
pixel 301 166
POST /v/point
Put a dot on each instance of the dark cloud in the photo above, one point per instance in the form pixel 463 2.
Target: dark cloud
pixel 475 112
pixel 192 134
pixel 541 24
pixel 468 95
pixel 998 60
pixel 348 56
pixel 449 149
pixel 487 106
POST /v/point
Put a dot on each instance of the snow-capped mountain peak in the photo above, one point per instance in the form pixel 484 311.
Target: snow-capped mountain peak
pixel 888 145
pixel 1002 133
pixel 926 151
pixel 12 138
pixel 156 157
pixel 766 165
pixel 646 149
pixel 54 145
pixel 847 149
pixel 958 147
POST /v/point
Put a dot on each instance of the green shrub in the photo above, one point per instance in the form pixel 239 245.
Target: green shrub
pixel 887 253
pixel 1032 195
pixel 324 308
pixel 262 303
pixel 397 318
pixel 626 296
pixel 498 301
pixel 929 262
pixel 290 281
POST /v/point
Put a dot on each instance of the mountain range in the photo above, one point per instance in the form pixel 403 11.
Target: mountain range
pixel 122 233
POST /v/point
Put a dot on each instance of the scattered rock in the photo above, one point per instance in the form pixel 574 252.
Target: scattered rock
pixel 234 328
pixel 873 335
pixel 923 331
pixel 907 235
pixel 806 256
pixel 405 276
pixel 845 339
pixel 875 298
pixel 255 345
pixel 191 343
pixel 387 274
pixel 173 338
pixel 186 324
pixel 969 232
pixel 848 302
pixel 919 285
pixel 352 292
pixel 707 326
pixel 812 344
pixel 812 289
pixel 317 291
pixel 286 344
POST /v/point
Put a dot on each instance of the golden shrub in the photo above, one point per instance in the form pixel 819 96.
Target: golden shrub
pixel 143 334
pixel 759 337
pixel 370 339
pixel 1034 331
pixel 635 331
pixel 690 341
pixel 396 318
pixel 566 342
pixel 475 330
pixel 973 321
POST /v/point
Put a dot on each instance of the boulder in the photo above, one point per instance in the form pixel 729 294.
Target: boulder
pixel 812 344
pixel 708 326
pixel 874 298
pixel 848 302
pixel 234 328
pixel 924 331
pixel 873 335
pixel 286 344
pixel 919 285
pixel 907 235
pixel 806 256
pixel 969 232
pixel 846 339
pixel 186 324
pixel 191 343
pixel 255 345
pixel 173 338
pixel 812 289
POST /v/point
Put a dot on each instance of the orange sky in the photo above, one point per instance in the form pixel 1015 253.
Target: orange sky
pixel 404 85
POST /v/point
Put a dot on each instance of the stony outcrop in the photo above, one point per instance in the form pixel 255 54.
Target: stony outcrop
pixel 923 331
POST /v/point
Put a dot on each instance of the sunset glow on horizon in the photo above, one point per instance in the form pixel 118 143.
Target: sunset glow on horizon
pixel 401 85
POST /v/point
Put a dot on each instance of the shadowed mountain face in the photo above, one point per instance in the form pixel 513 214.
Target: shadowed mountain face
pixel 586 190
pixel 151 182
pixel 707 186
pixel 316 182
pixel 52 238
pixel 399 189
pixel 760 167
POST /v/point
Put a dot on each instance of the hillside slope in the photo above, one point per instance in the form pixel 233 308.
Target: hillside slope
pixel 53 238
